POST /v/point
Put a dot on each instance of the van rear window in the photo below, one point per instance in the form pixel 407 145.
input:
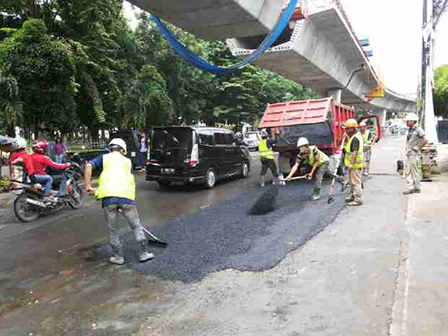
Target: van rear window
pixel 163 138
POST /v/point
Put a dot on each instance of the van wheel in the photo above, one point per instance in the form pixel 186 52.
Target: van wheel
pixel 245 170
pixel 210 178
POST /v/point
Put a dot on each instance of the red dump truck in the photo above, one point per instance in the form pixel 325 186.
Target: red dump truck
pixel 318 120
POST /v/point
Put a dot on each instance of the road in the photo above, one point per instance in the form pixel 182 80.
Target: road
pixel 307 268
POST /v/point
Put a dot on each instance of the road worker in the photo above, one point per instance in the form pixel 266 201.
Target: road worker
pixel 267 158
pixel 354 161
pixel 369 140
pixel 117 193
pixel 319 163
pixel 415 141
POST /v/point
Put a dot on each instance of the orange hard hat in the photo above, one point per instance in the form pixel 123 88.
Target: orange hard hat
pixel 350 123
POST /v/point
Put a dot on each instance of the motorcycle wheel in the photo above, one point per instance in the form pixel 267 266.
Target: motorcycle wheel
pixel 76 197
pixel 24 211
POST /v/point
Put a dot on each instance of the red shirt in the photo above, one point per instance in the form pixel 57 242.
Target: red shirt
pixel 22 158
pixel 40 162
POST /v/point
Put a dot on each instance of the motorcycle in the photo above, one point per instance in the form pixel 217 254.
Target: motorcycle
pixel 30 204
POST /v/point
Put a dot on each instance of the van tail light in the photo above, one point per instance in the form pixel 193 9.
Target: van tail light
pixel 194 158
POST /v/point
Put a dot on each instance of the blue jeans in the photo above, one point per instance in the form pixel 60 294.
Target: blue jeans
pixel 46 181
pixel 59 158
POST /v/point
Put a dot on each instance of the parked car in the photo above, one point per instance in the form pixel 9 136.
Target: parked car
pixel 252 139
pixel 195 155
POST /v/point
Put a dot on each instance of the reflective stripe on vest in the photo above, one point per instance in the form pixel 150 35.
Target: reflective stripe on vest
pixel 265 152
pixel 359 161
pixel 116 179
pixel 321 159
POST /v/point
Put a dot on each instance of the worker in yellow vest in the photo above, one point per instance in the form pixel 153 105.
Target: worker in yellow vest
pixel 319 163
pixel 354 161
pixel 267 158
pixel 369 140
pixel 116 189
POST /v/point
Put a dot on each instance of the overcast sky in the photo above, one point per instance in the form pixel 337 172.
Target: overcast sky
pixel 394 30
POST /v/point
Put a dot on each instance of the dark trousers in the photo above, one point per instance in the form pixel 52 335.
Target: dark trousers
pixel 268 164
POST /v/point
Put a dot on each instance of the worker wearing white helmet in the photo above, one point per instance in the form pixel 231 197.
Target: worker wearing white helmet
pixel 267 158
pixel 116 189
pixel 317 160
pixel 415 141
pixel 369 140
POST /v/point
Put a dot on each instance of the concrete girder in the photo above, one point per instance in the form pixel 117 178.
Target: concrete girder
pixel 217 19
pixel 323 54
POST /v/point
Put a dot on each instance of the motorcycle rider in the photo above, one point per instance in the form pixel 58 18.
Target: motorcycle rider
pixel 40 163
pixel 19 157
pixel 117 193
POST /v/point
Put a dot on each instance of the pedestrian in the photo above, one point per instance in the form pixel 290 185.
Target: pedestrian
pixel 415 141
pixel 319 163
pixel 143 149
pixel 59 150
pixel 267 158
pixel 369 140
pixel 354 161
pixel 116 189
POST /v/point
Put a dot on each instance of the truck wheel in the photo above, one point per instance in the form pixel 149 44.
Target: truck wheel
pixel 210 178
pixel 245 170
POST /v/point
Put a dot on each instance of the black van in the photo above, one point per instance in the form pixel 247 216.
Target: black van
pixel 195 155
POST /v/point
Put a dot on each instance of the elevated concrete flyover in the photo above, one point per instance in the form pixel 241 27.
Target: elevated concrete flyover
pixel 322 52
pixel 217 19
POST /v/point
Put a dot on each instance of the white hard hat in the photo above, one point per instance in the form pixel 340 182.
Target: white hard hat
pixel 302 142
pixel 19 143
pixel 118 142
pixel 264 133
pixel 363 124
pixel 411 117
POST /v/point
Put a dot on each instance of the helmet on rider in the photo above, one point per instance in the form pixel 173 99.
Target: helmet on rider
pixel 40 146
pixel 18 143
pixel 117 144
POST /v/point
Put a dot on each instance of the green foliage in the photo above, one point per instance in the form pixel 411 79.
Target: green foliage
pixel 441 91
pixel 67 64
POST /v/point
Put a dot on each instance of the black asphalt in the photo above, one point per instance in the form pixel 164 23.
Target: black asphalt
pixel 225 236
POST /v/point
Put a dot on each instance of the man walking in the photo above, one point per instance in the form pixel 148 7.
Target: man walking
pixel 117 193
pixel 415 141
pixel 369 140
pixel 267 158
pixel 354 161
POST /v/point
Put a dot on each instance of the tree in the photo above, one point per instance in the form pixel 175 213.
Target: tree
pixel 147 102
pixel 441 91
pixel 44 69
pixel 10 105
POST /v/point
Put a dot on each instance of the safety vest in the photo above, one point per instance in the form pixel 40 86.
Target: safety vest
pixel 359 161
pixel 321 159
pixel 366 138
pixel 265 152
pixel 116 179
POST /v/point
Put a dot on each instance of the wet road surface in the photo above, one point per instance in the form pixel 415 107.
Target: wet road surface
pixel 55 277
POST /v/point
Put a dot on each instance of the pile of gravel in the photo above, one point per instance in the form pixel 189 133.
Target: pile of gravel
pixel 225 236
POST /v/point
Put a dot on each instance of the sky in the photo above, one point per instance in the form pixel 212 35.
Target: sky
pixel 394 30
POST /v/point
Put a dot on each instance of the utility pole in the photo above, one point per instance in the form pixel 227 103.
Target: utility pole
pixel 424 60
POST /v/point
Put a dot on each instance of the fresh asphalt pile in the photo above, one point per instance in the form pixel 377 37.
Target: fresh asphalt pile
pixel 225 236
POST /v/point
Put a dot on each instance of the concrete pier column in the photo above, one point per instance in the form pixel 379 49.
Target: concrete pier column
pixel 336 94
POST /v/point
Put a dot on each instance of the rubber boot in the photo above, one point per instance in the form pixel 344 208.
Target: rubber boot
pixel 350 199
pixel 316 194
pixel 262 182
pixel 117 258
pixel 144 254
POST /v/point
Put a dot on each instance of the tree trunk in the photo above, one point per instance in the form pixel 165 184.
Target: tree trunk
pixel 94 132
pixel 11 130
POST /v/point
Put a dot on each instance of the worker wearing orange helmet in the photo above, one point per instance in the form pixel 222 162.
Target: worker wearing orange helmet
pixel 354 161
